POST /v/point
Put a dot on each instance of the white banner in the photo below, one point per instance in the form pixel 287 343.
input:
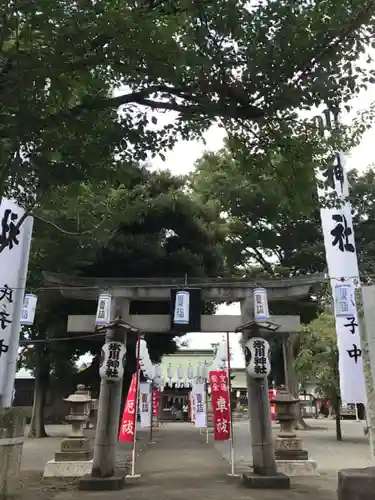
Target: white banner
pixel 145 404
pixel 339 243
pixel 192 405
pixel 13 270
pixel 341 255
pixel 200 405
pixel 351 369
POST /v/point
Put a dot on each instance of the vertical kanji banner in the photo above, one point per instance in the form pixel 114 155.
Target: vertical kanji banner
pixel 220 404
pixel 155 402
pixel 145 404
pixel 14 257
pixel 127 426
pixel 200 405
pixel 342 263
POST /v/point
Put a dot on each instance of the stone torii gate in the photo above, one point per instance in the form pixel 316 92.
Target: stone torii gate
pixel 126 290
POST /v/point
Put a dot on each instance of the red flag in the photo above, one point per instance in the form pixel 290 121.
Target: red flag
pixel 220 404
pixel 126 434
pixel 155 402
pixel 271 394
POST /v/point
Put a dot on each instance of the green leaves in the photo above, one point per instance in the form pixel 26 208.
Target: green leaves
pixel 251 68
pixel 317 358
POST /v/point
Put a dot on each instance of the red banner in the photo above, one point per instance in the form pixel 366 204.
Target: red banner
pixel 126 434
pixel 220 404
pixel 271 394
pixel 155 402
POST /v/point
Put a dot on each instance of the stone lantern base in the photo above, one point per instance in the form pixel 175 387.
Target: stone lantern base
pixel 289 447
pixel 73 460
pixel 291 459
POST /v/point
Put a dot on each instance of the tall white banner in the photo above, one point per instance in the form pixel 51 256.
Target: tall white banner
pixel 145 404
pixel 200 405
pixel 13 271
pixel 341 255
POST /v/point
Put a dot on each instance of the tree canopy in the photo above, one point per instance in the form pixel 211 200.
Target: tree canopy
pixel 269 230
pixel 66 69
pixel 155 228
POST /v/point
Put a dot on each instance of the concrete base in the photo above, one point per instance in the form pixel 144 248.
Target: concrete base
pixel 113 483
pixel 358 484
pixel 297 467
pixel 67 469
pixel 11 442
pixel 274 482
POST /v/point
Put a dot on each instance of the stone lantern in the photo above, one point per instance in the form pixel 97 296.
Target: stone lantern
pixel 74 458
pixel 288 445
pixel 77 446
pixel 80 407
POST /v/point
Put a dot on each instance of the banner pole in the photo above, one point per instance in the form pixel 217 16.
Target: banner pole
pixel 136 409
pixel 206 390
pixel 232 472
pixel 152 413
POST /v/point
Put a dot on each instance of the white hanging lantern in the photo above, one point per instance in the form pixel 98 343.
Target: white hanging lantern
pixel 203 371
pixel 162 384
pixel 28 309
pixel 190 371
pixel 112 361
pixel 344 303
pixel 199 369
pixel 257 357
pixel 182 308
pixel 158 370
pixel 222 351
pixel 261 312
pixel 103 312
pixel 180 372
pixel 169 371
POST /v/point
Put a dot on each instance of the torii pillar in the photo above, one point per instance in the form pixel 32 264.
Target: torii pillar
pixel 264 474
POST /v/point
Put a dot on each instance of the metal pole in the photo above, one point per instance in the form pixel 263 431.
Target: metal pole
pixel 152 412
pixel 206 391
pixel 231 442
pixel 136 409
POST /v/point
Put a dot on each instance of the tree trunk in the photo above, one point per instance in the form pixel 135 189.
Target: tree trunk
pixel 291 380
pixel 336 403
pixel 42 375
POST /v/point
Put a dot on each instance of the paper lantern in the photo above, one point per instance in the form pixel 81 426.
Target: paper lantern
pixel 190 371
pixel 261 312
pixel 182 308
pixel 103 312
pixel 203 371
pixel 112 361
pixel 169 371
pixel 344 300
pixel 257 357
pixel 28 309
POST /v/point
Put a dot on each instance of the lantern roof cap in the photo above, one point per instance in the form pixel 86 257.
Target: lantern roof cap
pixel 262 326
pixel 284 396
pixel 82 395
